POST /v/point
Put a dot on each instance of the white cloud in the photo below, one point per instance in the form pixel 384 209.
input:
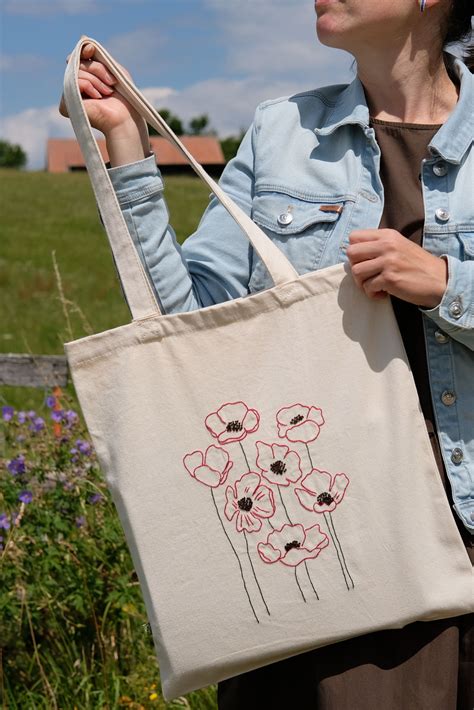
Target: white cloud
pixel 32 128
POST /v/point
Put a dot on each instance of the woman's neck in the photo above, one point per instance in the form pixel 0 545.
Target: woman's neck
pixel 409 90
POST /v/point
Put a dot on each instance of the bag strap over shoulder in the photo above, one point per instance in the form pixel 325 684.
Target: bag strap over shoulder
pixel 138 292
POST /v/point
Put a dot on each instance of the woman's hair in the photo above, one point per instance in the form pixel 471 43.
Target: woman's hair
pixel 459 29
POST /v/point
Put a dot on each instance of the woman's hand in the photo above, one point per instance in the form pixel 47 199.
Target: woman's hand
pixel 385 262
pixel 106 109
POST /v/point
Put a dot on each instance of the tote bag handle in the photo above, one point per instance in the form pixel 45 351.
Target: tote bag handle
pixel 137 289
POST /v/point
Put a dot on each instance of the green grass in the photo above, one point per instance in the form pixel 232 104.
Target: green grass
pixel 41 213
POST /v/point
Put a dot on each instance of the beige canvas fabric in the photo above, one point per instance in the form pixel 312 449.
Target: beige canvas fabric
pixel 267 456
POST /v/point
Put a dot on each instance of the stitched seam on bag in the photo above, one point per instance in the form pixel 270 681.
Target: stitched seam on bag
pixel 203 327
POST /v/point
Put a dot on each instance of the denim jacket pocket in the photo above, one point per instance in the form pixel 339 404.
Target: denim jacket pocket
pixel 467 244
pixel 299 227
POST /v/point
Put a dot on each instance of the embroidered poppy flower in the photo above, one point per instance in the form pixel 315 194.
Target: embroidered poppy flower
pixel 232 422
pixel 299 423
pixel 210 468
pixel 250 501
pixel 321 492
pixel 278 464
pixel 293 544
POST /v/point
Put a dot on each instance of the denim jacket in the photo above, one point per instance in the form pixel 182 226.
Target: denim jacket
pixel 308 151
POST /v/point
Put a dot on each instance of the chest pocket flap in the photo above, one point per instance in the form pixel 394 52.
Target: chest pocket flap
pixel 284 214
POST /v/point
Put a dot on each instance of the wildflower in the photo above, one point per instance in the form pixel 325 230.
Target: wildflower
pixel 71 417
pixel 83 446
pixel 17 465
pixel 21 416
pixel 57 415
pixel 68 486
pixel 31 414
pixel 299 422
pixel 95 498
pixel 37 425
pixel 21 437
pixel 26 496
pixel 4 522
pixel 7 413
pixel 50 401
pixel 80 521
pixel 153 696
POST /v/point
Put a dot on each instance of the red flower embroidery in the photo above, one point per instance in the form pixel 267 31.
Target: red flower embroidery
pixel 278 464
pixel 250 501
pixel 232 422
pixel 293 544
pixel 210 468
pixel 299 423
pixel 321 492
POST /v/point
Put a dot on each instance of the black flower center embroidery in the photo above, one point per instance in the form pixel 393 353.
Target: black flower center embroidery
pixel 291 545
pixel 325 498
pixel 278 468
pixel 245 504
pixel 297 419
pixel 234 426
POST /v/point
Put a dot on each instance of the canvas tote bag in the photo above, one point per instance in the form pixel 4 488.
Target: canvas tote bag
pixel 267 456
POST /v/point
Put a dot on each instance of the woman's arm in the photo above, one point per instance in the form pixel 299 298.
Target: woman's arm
pixel 214 263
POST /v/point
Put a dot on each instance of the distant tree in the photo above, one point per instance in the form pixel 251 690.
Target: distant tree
pixel 11 156
pixel 230 145
pixel 198 125
pixel 173 122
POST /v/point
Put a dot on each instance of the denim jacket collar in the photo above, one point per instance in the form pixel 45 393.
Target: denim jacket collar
pixel 450 142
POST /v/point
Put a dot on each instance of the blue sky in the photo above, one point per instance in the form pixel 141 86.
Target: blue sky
pixel 192 56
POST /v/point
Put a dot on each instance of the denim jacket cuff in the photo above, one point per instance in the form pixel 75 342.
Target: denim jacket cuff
pixel 454 312
pixel 137 180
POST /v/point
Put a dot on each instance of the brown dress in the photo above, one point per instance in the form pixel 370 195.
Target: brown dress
pixel 425 665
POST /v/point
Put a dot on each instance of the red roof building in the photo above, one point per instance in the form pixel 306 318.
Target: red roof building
pixel 64 154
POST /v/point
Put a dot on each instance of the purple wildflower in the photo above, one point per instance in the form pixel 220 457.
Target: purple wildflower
pixel 57 415
pixel 31 414
pixel 50 401
pixel 17 465
pixel 38 424
pixel 21 416
pixel 15 517
pixel 26 496
pixel 80 521
pixel 71 416
pixel 95 498
pixel 4 522
pixel 7 413
pixel 83 446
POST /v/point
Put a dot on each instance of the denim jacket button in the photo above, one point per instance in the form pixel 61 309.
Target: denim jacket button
pixel 455 309
pixel 442 214
pixel 440 169
pixel 441 337
pixel 448 398
pixel 285 218
pixel 457 455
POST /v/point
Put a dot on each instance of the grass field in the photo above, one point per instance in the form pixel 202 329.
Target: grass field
pixel 41 213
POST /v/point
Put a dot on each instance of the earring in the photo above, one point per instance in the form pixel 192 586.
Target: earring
pixel 422 4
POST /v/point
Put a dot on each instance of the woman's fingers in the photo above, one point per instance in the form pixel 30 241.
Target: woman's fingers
pixel 95 81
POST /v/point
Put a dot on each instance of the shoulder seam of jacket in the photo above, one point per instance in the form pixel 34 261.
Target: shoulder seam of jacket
pixel 312 93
